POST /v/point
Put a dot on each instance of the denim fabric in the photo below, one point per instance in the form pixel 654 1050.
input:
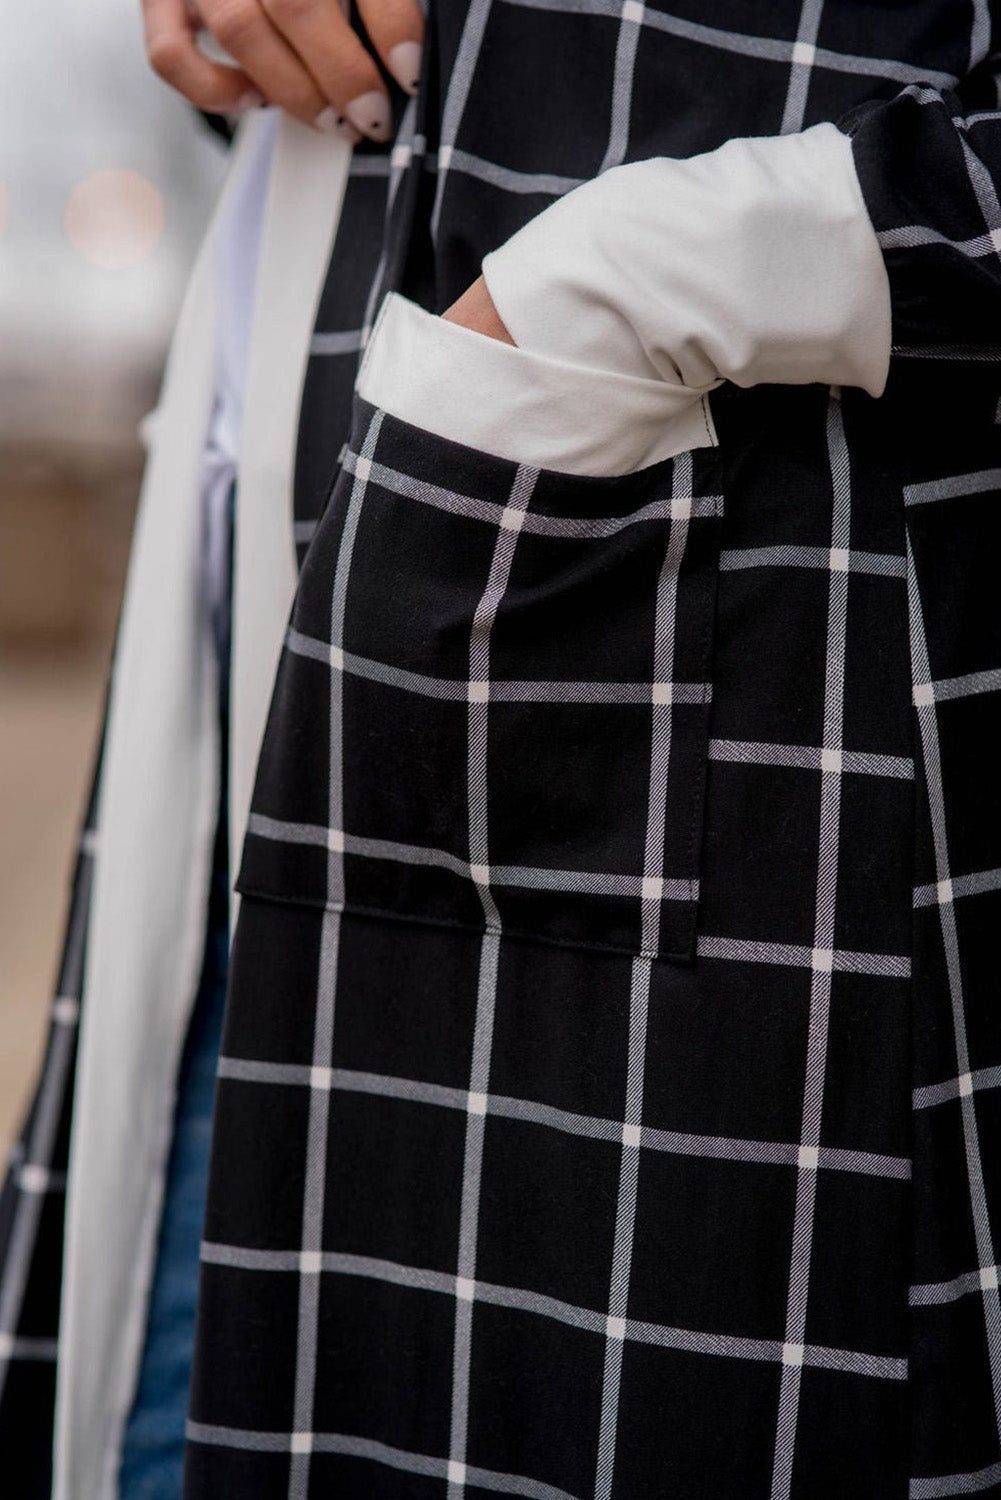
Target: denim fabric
pixel 153 1452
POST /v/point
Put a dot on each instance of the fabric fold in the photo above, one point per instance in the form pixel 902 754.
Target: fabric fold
pixel 525 407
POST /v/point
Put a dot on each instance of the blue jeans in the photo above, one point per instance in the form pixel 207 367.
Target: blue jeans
pixel 153 1451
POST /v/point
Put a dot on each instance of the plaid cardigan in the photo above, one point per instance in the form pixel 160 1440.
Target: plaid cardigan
pixel 608 1098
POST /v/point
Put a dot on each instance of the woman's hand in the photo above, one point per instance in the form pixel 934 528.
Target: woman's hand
pixel 299 54
pixel 475 309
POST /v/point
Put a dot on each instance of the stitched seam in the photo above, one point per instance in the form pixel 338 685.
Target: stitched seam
pixel 419 919
pixel 704 407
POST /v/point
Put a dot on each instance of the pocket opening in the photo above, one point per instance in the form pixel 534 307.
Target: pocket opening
pixel 502 400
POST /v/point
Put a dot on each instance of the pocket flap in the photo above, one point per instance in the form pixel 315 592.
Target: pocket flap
pixel 507 402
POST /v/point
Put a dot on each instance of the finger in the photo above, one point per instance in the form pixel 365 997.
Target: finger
pixel 345 71
pixel 396 29
pixel 174 57
pixel 243 28
pixel 476 309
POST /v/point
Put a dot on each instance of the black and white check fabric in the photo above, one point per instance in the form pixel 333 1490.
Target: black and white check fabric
pixel 680 1178
pixel 516 1188
pixel 501 1207
pixel 590 605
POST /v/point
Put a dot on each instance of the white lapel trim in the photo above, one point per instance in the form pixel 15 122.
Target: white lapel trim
pixel 160 787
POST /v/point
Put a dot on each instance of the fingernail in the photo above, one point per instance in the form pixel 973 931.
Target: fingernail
pixel 250 100
pixel 370 113
pixel 332 123
pixel 405 64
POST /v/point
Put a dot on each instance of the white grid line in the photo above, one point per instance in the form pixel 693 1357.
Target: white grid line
pixel 501 690
pixel 711 1344
pixel 574 528
pixel 935 1293
pixel 665 619
pixel 323 1036
pixel 479 857
pixel 796 555
pixel 503 1106
pixel 821 980
pixel 380 1453
pixel 843 960
pixel 454 108
pixel 929 1094
pixel 944 689
pixel 953 487
pixel 766 48
pixel 802 60
pixel 626 46
pixel 524 877
pixel 956 887
pixel 944 1486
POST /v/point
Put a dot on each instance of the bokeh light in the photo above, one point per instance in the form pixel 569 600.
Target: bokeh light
pixel 114 218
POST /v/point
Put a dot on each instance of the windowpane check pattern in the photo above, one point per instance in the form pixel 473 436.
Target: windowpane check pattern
pixel 793 1129
pixel 545 660
pixel 612 1218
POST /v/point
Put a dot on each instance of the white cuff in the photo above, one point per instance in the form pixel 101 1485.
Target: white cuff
pixel 756 262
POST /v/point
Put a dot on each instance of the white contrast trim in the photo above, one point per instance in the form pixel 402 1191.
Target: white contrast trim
pixel 159 794
pixel 146 923
pixel 524 407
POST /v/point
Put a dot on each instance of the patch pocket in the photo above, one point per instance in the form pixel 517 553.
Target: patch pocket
pixel 492 706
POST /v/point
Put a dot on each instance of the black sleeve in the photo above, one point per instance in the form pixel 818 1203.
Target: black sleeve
pixel 930 169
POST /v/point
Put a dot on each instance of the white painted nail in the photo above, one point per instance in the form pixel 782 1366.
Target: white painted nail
pixel 371 114
pixel 405 64
pixel 250 100
pixel 329 121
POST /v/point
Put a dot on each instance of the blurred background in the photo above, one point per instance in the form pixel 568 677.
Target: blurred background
pixel 106 182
